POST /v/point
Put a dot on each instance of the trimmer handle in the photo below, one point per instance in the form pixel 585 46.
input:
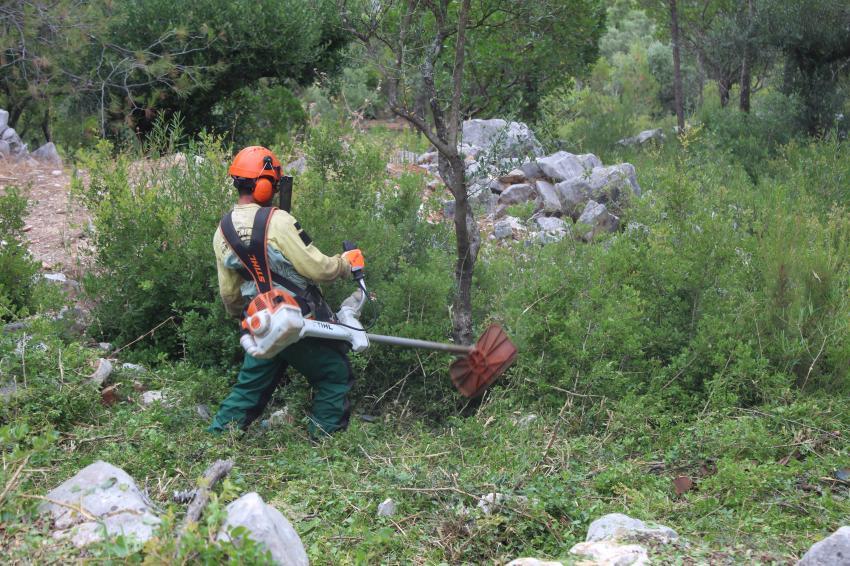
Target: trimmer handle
pixel 356 272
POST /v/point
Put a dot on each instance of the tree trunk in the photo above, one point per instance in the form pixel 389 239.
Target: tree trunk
pixel 724 86
pixel 45 124
pixel 468 243
pixel 677 66
pixel 746 78
pixel 15 112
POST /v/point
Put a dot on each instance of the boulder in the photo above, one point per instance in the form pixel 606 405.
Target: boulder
pixel 505 229
pixel 551 224
pixel 571 199
pixel 16 146
pixel 5 149
pixel 531 170
pixel 606 553
pixel 598 219
pixel 506 139
pixel 547 197
pixel 646 136
pixel 4 120
pixel 517 194
pixel 266 526
pixel 101 373
pixel 613 184
pixel 617 526
pixel 48 154
pixel 491 502
pixel 512 178
pixel 564 165
pixel 298 166
pixel 62 280
pixel 387 508
pixel 834 550
pixel 496 187
pixel 109 495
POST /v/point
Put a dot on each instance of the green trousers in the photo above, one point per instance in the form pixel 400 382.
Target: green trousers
pixel 324 365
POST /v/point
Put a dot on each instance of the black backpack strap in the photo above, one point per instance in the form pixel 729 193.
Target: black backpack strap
pixel 254 257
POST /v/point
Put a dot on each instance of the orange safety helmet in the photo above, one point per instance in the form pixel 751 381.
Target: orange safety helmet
pixel 258 169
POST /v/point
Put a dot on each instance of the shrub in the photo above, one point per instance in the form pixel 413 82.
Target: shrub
pixel 751 138
pixel 17 267
pixel 727 292
pixel 264 114
pixel 153 230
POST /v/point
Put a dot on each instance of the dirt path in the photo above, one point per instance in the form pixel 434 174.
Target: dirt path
pixel 55 223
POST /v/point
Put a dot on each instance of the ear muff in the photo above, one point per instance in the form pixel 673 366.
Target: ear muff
pixel 263 190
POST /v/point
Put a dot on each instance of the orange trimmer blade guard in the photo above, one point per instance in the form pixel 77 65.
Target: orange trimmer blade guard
pixel 490 357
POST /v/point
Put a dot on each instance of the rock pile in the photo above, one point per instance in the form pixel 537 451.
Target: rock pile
pixel 567 194
pixel 571 195
pixel 12 147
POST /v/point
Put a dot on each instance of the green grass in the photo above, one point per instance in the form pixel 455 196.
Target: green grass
pixel 748 502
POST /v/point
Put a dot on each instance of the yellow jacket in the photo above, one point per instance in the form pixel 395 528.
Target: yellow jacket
pixel 290 251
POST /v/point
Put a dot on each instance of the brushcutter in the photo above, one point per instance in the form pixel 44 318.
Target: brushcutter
pixel 274 321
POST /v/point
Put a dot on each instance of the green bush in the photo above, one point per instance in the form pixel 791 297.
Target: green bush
pixel 751 138
pixel 264 114
pixel 17 268
pixel 154 222
pixel 723 293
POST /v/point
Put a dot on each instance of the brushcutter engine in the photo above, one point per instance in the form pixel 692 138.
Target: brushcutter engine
pixel 274 321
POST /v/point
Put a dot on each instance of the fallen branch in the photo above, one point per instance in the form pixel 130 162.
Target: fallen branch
pixel 145 335
pixel 76 508
pixel 214 473
pixel 13 481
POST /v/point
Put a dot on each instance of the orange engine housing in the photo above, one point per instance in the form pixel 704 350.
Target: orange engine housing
pixel 270 301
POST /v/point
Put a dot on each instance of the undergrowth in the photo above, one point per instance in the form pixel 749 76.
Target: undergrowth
pixel 705 340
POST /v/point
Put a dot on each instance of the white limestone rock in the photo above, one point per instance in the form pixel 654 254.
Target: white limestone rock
pixel 106 493
pixel 387 508
pixel 617 526
pixel 267 526
pixel 607 553
pixel 834 550
pixel 564 165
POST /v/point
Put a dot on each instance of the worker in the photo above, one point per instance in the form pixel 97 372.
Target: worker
pixel 296 266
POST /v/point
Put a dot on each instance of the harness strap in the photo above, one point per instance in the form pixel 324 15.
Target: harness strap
pixel 255 262
pixel 253 257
